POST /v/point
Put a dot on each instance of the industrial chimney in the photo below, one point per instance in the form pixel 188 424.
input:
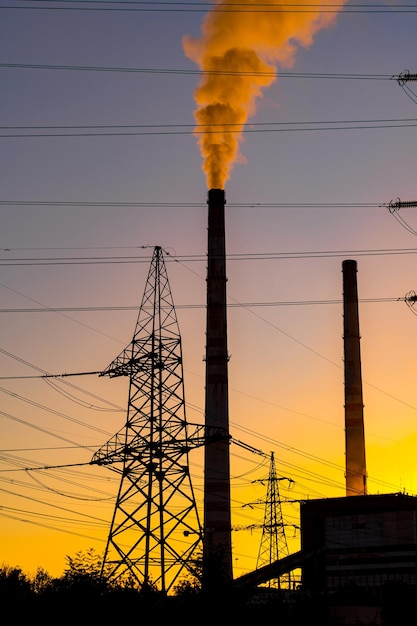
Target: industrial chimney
pixel 217 545
pixel 354 425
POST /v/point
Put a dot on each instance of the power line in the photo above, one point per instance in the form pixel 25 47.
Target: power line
pixel 184 205
pixel 279 127
pixel 66 383
pixel 194 7
pixel 260 256
pixel 95 309
pixel 193 72
pixel 194 128
pixel 46 409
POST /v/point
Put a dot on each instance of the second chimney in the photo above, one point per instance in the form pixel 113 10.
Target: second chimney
pixel 354 424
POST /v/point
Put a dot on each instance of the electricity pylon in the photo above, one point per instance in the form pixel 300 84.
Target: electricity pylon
pixel 155 532
pixel 273 541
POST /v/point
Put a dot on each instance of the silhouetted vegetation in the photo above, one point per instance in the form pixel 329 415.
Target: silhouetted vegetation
pixel 83 594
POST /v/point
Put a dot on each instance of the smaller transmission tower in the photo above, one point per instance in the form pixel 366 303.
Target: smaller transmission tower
pixel 155 533
pixel 274 541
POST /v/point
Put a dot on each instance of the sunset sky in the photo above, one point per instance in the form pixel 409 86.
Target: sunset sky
pixel 99 164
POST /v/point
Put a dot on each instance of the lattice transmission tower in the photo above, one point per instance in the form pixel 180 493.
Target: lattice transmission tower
pixel 155 533
pixel 274 544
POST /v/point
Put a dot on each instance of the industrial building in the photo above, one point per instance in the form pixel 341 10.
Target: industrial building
pixel 359 541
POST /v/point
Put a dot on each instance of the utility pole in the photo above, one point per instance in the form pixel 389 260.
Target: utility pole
pixel 155 533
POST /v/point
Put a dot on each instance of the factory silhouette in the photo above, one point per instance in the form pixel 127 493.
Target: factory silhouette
pixel 360 541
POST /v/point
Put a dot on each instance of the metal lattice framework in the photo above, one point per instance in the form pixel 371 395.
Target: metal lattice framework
pixel 155 531
pixel 274 541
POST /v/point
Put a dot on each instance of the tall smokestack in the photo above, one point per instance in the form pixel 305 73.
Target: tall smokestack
pixel 354 425
pixel 217 546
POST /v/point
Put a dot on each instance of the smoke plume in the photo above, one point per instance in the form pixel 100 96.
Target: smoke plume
pixel 239 50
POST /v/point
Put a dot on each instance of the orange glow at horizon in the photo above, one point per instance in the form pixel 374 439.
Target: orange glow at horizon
pixel 238 52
